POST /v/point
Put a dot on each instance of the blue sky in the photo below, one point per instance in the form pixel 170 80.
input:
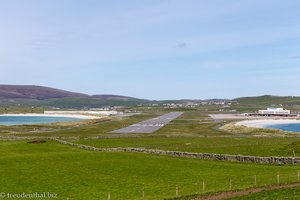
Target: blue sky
pixel 154 49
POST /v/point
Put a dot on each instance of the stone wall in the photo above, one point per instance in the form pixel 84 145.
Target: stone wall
pixel 210 156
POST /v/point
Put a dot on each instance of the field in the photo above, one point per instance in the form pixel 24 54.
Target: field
pixel 79 174
pixel 82 174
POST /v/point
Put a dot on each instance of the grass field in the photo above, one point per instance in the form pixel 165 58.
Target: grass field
pixel 79 174
pixel 195 128
pixel 86 175
pixel 229 145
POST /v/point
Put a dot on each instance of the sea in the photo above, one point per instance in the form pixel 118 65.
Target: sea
pixel 22 120
pixel 285 127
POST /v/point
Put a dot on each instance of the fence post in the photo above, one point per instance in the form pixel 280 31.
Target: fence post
pixel 254 180
pixel 293 161
pixel 278 178
pixel 177 193
pixel 108 196
pixel 294 154
pixel 203 186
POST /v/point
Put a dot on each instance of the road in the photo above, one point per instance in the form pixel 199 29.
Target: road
pixel 150 125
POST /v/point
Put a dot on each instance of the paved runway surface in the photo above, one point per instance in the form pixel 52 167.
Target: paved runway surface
pixel 150 125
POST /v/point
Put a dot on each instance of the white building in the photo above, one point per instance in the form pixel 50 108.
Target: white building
pixel 274 111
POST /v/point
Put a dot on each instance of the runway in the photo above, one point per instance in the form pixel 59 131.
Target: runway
pixel 150 125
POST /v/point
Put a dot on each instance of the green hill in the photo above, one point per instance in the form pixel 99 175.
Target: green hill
pixel 269 99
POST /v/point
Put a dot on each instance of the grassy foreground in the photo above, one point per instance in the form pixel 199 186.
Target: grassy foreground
pixel 80 174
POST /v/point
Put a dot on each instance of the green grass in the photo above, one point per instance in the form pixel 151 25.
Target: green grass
pixel 236 146
pixel 191 128
pixel 280 194
pixel 79 174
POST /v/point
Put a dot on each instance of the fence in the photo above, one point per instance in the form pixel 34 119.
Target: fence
pixel 175 191
pixel 203 185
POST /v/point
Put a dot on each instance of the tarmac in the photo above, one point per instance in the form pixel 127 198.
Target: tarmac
pixel 150 125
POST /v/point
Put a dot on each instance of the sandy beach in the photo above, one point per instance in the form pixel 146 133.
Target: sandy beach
pixel 78 116
pixel 263 123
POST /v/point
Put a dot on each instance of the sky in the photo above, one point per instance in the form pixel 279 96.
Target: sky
pixel 153 49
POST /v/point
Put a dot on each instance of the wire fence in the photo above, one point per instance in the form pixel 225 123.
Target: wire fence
pixel 201 187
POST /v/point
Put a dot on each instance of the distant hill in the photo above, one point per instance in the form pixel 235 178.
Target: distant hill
pixel 34 92
pixel 269 99
pixel 31 95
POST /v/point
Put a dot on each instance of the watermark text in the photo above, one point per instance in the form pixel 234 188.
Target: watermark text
pixel 24 195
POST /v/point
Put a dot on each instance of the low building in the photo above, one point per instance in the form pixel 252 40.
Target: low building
pixel 274 111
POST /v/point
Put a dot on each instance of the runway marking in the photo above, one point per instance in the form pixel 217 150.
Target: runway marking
pixel 150 125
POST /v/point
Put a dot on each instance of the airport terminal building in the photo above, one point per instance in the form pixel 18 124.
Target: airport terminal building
pixel 273 112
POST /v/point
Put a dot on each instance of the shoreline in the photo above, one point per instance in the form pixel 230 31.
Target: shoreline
pixel 76 116
pixel 264 123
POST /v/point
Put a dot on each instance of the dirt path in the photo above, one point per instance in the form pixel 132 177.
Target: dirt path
pixel 231 194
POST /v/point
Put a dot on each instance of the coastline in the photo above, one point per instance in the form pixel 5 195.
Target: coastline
pixel 77 116
pixel 264 123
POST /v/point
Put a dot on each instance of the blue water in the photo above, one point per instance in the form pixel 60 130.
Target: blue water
pixel 286 127
pixel 20 120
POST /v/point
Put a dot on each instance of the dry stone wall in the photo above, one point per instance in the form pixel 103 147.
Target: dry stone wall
pixel 210 156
